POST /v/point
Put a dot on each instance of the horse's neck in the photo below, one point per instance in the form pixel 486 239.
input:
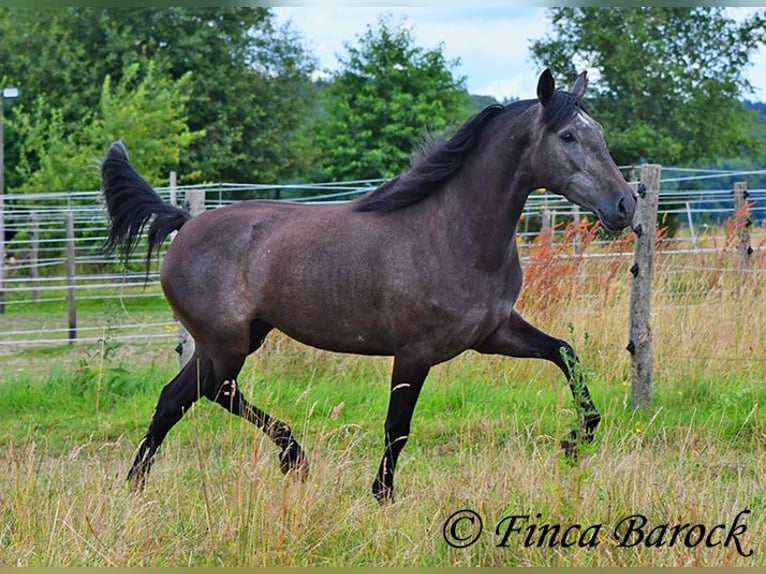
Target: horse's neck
pixel 484 215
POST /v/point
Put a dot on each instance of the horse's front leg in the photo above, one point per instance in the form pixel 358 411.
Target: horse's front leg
pixel 517 338
pixel 406 381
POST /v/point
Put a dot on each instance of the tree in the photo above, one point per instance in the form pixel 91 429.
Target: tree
pixel 143 108
pixel 757 130
pixel 386 95
pixel 669 81
pixel 249 92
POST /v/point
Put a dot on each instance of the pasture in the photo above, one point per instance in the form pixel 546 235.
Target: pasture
pixel 484 438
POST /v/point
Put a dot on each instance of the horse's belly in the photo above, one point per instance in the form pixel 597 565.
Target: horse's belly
pixel 434 337
pixel 330 339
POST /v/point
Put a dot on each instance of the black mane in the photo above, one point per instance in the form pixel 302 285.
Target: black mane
pixel 444 158
pixel 440 163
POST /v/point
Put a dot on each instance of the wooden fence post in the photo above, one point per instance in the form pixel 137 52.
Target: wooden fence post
pixel 640 343
pixel 546 220
pixel 546 228
pixel 690 219
pixel 173 188
pixel 70 276
pixel 195 204
pixel 742 219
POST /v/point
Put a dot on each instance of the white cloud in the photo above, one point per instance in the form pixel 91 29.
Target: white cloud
pixel 493 48
pixel 491 43
pixel 757 75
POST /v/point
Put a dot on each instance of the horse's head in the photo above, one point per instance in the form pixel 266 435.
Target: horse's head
pixel 570 156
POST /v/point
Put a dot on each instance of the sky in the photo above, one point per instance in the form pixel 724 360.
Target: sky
pixel 492 44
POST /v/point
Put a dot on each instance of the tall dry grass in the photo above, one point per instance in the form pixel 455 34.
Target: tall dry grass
pixel 228 505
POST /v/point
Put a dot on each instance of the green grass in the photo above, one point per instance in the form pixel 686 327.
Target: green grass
pixel 484 437
pixel 71 404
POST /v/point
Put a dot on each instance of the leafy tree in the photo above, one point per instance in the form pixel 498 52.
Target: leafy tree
pixel 249 91
pixel 670 80
pixel 757 130
pixel 387 93
pixel 150 114
pixel 142 109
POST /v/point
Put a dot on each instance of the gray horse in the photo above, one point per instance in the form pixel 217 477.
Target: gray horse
pixel 421 269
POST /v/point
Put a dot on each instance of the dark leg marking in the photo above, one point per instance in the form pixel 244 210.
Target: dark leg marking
pixel 517 338
pixel 406 382
pixel 175 399
pixel 291 457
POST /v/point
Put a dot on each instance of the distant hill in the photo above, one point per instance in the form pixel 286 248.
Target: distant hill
pixel 478 103
pixel 759 107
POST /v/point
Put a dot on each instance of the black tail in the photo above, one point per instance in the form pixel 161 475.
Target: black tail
pixel 131 203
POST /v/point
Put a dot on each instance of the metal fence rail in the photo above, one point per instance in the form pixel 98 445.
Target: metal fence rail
pixel 34 269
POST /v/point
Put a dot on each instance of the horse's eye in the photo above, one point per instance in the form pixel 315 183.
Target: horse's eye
pixel 568 137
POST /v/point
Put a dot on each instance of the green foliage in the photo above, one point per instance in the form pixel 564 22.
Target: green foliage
pixel 251 89
pixel 150 115
pixel 478 103
pixel 757 130
pixel 670 80
pixel 249 92
pixel 388 93
pixel 147 111
pixel 49 159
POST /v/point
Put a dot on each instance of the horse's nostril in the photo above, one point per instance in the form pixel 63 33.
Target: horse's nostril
pixel 622 208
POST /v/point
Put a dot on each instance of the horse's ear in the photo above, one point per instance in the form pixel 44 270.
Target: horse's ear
pixel 545 87
pixel 579 85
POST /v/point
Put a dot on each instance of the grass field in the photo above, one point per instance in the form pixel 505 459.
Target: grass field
pixel 485 438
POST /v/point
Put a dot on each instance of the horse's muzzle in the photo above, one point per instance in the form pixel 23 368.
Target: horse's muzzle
pixel 621 215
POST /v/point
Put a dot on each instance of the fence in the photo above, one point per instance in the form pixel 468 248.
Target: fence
pixel 51 246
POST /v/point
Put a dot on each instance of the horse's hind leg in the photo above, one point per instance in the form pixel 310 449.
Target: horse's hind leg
pixel 175 399
pixel 291 457
pixel 226 393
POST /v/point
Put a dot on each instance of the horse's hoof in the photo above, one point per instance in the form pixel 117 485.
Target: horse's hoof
pixel 293 461
pixel 136 480
pixel 569 445
pixel 384 494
